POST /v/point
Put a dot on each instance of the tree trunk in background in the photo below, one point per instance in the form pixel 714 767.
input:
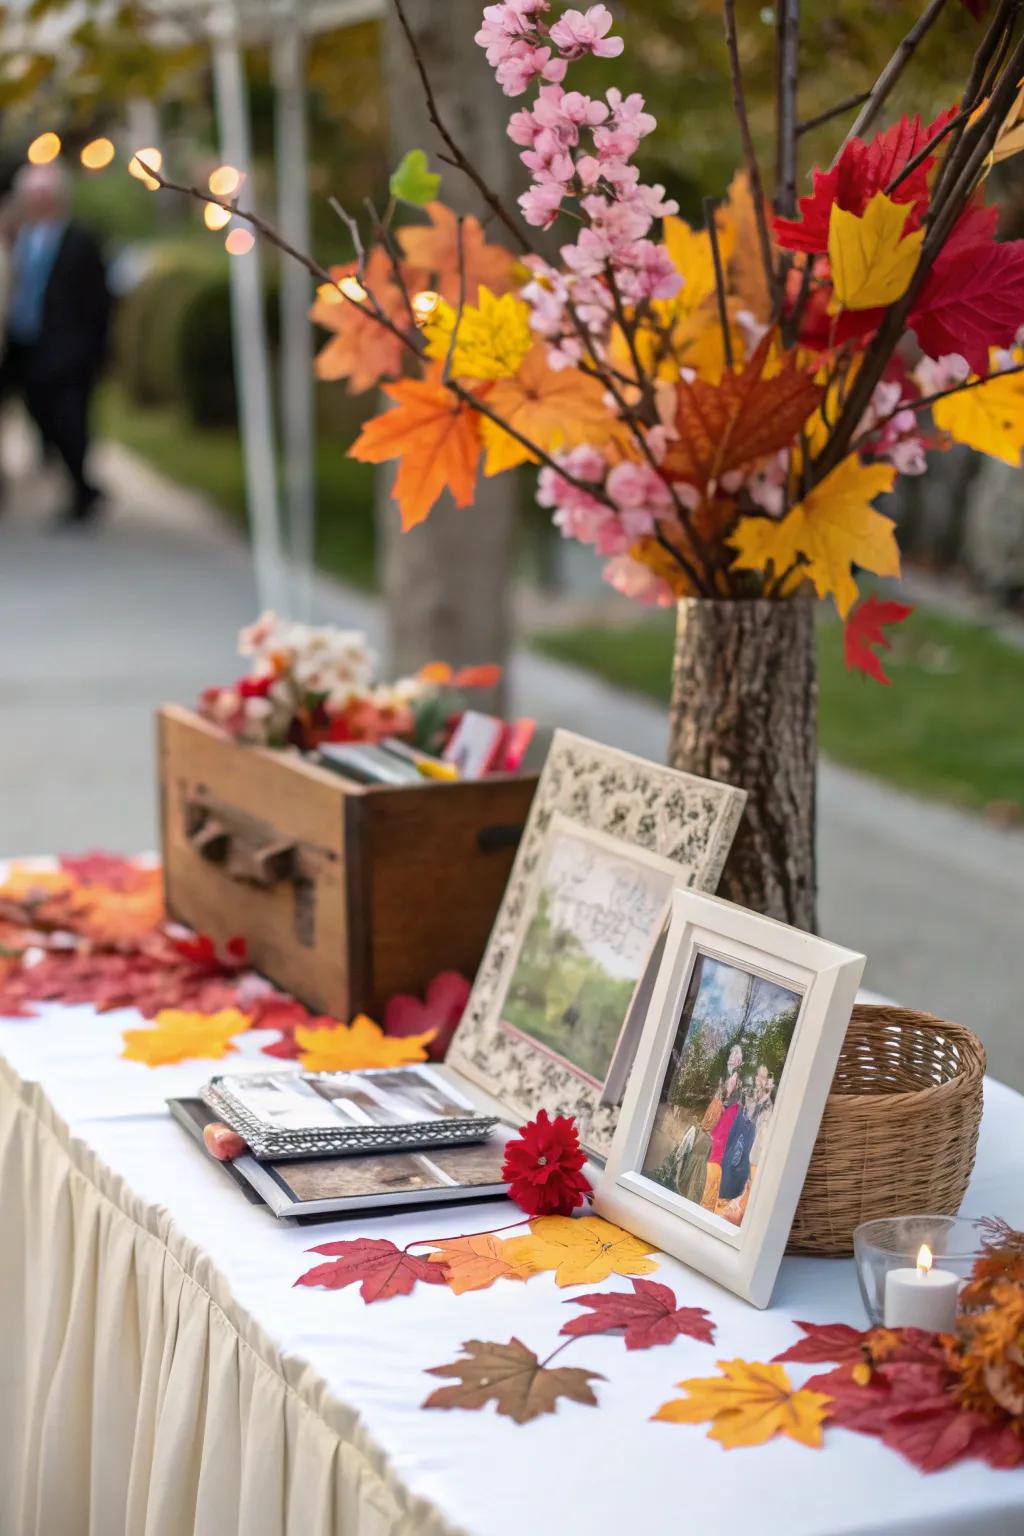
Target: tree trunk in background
pixel 744 711
pixel 447 582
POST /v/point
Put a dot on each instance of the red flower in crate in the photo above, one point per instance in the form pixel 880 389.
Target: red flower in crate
pixel 544 1167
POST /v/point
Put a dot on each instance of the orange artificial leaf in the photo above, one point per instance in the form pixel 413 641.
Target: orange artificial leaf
pixel 653 554
pixel 746 416
pixel 747 275
pixel 362 350
pixel 475 1262
pixel 512 1377
pixel 436 672
pixel 748 1405
pixel 554 408
pixel 120 917
pixel 487 674
pixel 351 1047
pixel 434 248
pixel 178 1035
pixel 436 437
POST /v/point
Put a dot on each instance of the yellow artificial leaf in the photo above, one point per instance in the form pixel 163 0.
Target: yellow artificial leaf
pixel 871 264
pixel 492 340
pixel 748 1405
pixel 475 1262
pixel 988 417
pixel 833 527
pixel 178 1035
pixel 350 1047
pixel 554 408
pixel 580 1249
pixel 1010 138
pixel 690 253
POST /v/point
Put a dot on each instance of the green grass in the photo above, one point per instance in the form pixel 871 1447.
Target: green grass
pixel 950 727
pixel 209 460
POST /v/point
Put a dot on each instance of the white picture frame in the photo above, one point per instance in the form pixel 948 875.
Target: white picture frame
pixel 711 950
pixel 654 817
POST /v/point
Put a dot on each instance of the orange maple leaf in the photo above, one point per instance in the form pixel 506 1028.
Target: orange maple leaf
pixel 362 350
pixel 725 426
pixel 436 437
pixel 473 1263
pixel 434 248
pixel 554 408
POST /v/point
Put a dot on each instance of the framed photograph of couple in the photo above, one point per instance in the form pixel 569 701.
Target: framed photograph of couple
pixel 608 838
pixel 744 1023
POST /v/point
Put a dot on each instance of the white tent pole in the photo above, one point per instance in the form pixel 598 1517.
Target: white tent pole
pixel 252 366
pixel 297 394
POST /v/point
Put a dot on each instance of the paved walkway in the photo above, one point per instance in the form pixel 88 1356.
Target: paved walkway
pixel 97 629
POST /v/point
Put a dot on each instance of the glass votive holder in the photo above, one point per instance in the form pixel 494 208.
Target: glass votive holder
pixel 894 1243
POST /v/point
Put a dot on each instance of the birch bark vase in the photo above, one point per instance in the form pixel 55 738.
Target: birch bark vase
pixel 744 711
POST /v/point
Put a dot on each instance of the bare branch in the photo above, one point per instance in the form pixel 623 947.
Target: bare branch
pixel 808 124
pixel 787 31
pixel 710 207
pixel 884 85
pixel 354 235
pixel 460 246
pixel 747 141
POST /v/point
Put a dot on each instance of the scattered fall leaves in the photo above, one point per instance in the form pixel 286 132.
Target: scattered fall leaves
pixel 382 1269
pixel 651 1315
pixel 435 435
pixel 865 629
pixel 581 1250
pixel 177 1035
pixel 350 1047
pixel 749 1404
pixel 474 1262
pixel 512 1377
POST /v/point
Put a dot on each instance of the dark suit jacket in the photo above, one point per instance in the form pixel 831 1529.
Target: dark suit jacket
pixel 76 314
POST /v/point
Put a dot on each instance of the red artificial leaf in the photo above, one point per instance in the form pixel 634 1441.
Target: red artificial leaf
pixel 111 870
pixel 823 1342
pixel 972 299
pixel 650 1316
pixel 933 1435
pixel 864 629
pixel 383 1269
pixel 853 1406
pixel 445 1003
pixel 999 1445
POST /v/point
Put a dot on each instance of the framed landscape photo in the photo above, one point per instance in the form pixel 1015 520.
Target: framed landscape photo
pixel 608 839
pixel 733 1066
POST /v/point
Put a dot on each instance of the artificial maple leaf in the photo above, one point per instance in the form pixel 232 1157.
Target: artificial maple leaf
pixel 554 408
pixel 690 253
pixel 988 417
pixel 823 1342
pixel 110 869
pixel 834 527
pixel 864 629
pixel 436 438
pixel 443 1006
pixel 178 1036
pixel 748 1405
pixel 352 1047
pixel 872 260
pixel 649 1316
pixel 971 300
pixel 580 1250
pixel 745 416
pixel 382 1269
pixel 434 248
pixel 493 336
pixel 746 268
pixel 362 350
pixel 474 1262
pixel 510 1376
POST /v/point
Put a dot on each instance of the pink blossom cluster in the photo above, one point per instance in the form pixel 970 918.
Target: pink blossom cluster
pixel 522 48
pixel 897 436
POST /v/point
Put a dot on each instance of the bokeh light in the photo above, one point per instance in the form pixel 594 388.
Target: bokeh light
pixel 97 154
pixel 44 148
pixel 225 181
pixel 215 217
pixel 353 289
pixel 424 304
pixel 142 162
pixel 239 242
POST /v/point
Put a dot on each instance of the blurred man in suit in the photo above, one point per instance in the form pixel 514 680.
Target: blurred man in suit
pixel 58 317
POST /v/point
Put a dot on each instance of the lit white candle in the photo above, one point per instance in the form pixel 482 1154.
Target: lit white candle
pixel 923 1297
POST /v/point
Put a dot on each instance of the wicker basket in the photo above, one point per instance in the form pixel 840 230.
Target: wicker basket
pixel 900 1127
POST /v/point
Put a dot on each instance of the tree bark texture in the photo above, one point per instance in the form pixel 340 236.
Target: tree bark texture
pixel 447 582
pixel 744 712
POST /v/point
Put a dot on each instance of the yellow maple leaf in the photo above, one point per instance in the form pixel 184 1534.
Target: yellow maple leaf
pixel 872 260
pixel 351 1047
pixel 178 1035
pixel 988 417
pixel 554 408
pixel 833 527
pixel 690 253
pixel 475 1262
pixel 749 1404
pixel 493 336
pixel 580 1249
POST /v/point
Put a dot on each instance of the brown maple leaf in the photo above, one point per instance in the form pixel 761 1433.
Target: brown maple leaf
pixel 744 417
pixel 383 1269
pixel 510 1376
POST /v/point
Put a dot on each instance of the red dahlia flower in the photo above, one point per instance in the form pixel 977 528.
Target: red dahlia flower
pixel 543 1167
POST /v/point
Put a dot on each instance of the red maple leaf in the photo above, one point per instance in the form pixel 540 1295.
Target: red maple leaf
pixel 972 299
pixel 111 870
pixel 864 629
pixel 932 1435
pixel 823 1342
pixel 861 171
pixel 443 1007
pixel 383 1269
pixel 650 1316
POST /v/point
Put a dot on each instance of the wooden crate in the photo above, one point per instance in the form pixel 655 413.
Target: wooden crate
pixel 344 893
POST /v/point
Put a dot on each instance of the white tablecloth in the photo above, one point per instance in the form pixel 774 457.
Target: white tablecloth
pixel 155 1358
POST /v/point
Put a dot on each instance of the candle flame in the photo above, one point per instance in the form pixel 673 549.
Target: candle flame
pixel 924 1259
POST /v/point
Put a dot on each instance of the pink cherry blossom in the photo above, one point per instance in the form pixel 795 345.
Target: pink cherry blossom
pixel 636 581
pixel 540 204
pixel 580 32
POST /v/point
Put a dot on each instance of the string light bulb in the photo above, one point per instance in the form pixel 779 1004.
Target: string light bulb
pixel 44 148
pixel 225 181
pixel 97 154
pixel 424 304
pixel 142 163
pixel 215 217
pixel 352 288
pixel 239 242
